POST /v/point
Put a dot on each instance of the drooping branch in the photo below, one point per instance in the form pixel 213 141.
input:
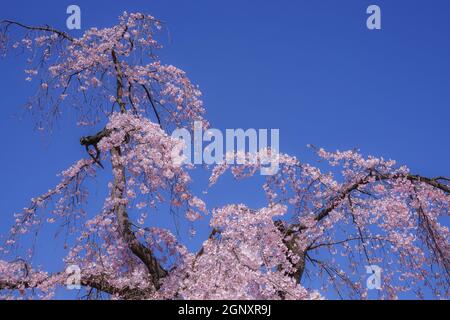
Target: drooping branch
pixel 431 237
pixel 150 98
pixel 45 28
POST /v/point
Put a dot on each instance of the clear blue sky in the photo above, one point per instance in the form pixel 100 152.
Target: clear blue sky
pixel 310 68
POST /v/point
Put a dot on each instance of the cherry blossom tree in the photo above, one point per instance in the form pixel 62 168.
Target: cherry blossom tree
pixel 318 231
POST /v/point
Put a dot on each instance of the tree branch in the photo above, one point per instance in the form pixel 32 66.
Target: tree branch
pixel 98 282
pixel 150 98
pixel 296 227
pixel 38 28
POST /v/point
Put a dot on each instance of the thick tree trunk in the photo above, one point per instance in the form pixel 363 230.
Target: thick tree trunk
pixel 120 208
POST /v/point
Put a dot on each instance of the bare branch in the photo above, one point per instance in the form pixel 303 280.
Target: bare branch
pixel 46 28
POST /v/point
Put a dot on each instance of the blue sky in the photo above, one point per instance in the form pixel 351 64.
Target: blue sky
pixel 310 68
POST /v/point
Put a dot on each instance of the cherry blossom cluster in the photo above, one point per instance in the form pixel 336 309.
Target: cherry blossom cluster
pixel 147 153
pixel 374 208
pixel 17 277
pixel 87 69
pixel 245 260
